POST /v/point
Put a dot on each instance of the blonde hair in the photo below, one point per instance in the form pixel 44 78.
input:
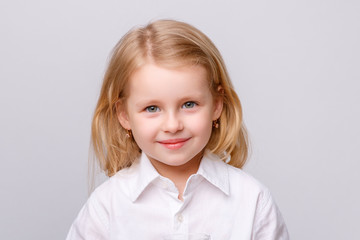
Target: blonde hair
pixel 167 43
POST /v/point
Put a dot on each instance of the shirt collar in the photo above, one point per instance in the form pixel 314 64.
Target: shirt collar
pixel 215 171
pixel 142 172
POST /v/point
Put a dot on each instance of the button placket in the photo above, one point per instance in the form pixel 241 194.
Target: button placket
pixel 180 218
pixel 180 223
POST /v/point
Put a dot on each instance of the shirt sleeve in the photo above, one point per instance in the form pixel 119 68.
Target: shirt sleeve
pixel 91 222
pixel 269 223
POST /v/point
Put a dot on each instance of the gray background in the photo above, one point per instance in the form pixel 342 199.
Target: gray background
pixel 295 65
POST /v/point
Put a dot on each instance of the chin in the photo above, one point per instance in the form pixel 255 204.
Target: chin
pixel 175 163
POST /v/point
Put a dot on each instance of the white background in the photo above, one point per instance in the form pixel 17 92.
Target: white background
pixel 295 65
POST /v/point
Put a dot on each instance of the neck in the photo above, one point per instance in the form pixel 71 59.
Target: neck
pixel 178 174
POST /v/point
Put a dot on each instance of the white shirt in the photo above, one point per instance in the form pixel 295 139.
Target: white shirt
pixel 219 200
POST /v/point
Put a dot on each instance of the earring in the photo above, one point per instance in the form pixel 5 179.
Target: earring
pixel 216 123
pixel 129 133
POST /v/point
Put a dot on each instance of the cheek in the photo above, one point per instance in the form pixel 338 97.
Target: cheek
pixel 202 126
pixel 143 130
pixel 141 137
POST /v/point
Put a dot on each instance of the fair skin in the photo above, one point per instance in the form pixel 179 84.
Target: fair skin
pixel 170 113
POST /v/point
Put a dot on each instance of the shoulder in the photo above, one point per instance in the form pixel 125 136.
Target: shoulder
pixel 244 186
pixel 93 220
pixel 108 196
pixel 242 180
pixel 268 221
pixel 115 186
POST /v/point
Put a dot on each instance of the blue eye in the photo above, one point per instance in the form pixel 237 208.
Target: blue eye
pixel 152 109
pixel 189 105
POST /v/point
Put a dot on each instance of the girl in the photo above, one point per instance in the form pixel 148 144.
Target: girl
pixel 168 130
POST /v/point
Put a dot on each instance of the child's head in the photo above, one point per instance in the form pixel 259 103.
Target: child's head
pixel 169 45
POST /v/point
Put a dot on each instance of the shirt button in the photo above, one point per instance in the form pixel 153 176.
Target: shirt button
pixel 180 218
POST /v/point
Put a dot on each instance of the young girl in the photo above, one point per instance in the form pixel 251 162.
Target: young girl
pixel 168 132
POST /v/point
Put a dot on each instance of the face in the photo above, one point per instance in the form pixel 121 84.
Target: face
pixel 170 113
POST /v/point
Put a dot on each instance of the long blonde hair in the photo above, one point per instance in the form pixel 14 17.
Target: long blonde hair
pixel 167 43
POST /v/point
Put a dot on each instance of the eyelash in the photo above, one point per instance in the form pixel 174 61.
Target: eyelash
pixel 193 104
pixel 153 108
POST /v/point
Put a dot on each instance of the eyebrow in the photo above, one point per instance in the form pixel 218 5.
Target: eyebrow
pixel 146 102
pixel 155 101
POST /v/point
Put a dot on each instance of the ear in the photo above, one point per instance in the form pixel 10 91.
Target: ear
pixel 122 115
pixel 218 103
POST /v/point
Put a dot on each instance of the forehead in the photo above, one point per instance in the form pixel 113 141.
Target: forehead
pixel 153 80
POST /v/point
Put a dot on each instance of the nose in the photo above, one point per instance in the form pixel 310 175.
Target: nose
pixel 172 123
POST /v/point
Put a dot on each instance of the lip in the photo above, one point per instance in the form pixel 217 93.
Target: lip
pixel 174 143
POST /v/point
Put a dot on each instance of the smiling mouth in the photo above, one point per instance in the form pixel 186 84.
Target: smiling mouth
pixel 174 143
